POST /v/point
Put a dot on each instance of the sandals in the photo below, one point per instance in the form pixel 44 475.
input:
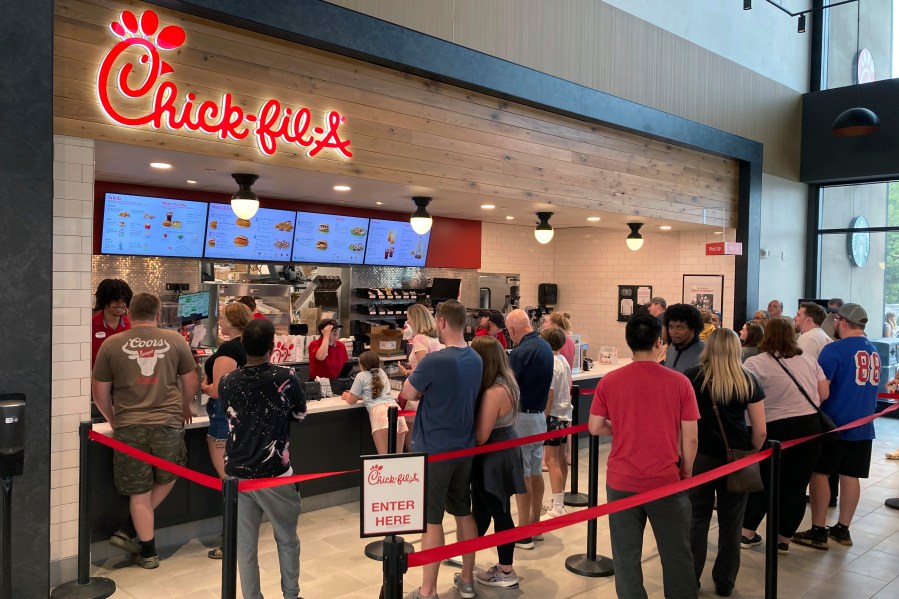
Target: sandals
pixel 893 455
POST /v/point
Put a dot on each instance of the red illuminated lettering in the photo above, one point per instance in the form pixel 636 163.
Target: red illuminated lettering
pixel 272 125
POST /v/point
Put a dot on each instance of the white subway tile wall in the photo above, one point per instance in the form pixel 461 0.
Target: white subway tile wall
pixel 73 200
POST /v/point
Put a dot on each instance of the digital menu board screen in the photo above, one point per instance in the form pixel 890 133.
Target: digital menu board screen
pixel 329 238
pixel 267 237
pixel 147 226
pixel 394 243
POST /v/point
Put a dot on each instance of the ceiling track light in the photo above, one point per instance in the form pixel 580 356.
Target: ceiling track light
pixel 634 239
pixel 420 220
pixel 544 231
pixel 858 120
pixel 244 202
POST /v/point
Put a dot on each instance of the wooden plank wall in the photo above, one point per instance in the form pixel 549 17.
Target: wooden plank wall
pixel 404 129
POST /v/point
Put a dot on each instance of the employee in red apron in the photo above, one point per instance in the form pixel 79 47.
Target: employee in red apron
pixel 113 296
pixel 327 355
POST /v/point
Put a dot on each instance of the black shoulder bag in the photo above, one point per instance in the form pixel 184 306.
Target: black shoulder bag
pixel 749 478
pixel 827 425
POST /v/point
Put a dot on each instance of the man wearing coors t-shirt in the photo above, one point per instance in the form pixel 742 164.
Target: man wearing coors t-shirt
pixel 145 366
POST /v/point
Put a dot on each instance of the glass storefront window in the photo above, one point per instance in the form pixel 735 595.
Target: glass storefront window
pixel 861 266
pixel 878 32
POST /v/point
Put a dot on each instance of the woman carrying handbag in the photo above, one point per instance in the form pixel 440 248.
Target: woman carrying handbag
pixel 725 393
pixel 794 387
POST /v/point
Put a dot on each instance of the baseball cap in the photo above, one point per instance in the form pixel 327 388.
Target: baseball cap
pixel 854 314
pixel 323 323
pixel 496 317
pixel 483 314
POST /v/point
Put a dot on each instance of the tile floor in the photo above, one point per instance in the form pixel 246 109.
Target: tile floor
pixel 333 564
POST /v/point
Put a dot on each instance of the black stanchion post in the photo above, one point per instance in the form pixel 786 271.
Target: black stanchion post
pixel 229 538
pixel 85 587
pixel 376 550
pixel 773 484
pixel 590 564
pixel 575 499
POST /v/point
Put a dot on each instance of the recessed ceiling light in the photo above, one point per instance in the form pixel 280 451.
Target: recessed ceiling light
pixel 593 219
pixel 665 227
pixel 487 206
pixel 379 203
pixel 191 181
pixel 160 165
pixel 342 188
pixel 510 218
pixel 719 232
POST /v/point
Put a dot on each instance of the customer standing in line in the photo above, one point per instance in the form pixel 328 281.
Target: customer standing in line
pixel 789 415
pixel 423 337
pixel 447 383
pixel 532 363
pixel 155 381
pixel 684 324
pixel 650 413
pixel 372 387
pixel 497 475
pixel 229 356
pixel 261 400
pixel 558 416
pixel 750 336
pixel 725 393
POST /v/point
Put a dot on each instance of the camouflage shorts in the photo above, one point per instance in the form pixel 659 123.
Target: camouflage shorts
pixel 133 476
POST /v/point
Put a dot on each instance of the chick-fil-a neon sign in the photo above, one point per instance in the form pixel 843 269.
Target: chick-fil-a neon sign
pixel 272 124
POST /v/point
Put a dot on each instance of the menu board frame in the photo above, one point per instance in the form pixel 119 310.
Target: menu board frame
pixel 237 258
pixel 399 223
pixel 103 228
pixel 296 232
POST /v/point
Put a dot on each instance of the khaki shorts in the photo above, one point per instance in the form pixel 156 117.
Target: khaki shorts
pixel 378 418
pixel 135 477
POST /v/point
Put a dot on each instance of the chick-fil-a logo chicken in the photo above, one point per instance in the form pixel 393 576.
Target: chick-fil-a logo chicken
pixel 272 123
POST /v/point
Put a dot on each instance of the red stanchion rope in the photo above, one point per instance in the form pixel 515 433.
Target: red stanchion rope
pixel 428 556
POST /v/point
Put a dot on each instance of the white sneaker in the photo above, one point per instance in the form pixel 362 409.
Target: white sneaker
pixel 527 543
pixel 555 512
pixel 495 577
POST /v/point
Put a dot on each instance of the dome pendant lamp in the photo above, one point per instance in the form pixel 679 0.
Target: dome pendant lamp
pixel 634 239
pixel 856 121
pixel 244 202
pixel 420 220
pixel 544 231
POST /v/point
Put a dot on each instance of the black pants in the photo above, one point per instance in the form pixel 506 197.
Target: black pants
pixel 486 506
pixel 731 507
pixel 796 466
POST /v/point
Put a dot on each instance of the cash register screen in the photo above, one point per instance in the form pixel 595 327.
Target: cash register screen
pixel 193 306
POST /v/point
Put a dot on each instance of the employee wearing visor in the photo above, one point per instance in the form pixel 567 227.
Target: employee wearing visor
pixel 113 296
pixel 326 355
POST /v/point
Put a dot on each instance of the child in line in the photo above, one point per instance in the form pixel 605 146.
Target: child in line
pixel 558 416
pixel 372 387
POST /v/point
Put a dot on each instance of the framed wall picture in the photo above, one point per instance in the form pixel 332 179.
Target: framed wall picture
pixel 704 291
pixel 632 299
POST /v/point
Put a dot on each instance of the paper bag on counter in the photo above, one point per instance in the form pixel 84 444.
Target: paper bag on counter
pixel 284 344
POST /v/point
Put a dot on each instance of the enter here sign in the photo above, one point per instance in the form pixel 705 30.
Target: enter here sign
pixel 393 494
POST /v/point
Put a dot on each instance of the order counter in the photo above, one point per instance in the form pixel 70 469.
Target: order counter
pixel 330 439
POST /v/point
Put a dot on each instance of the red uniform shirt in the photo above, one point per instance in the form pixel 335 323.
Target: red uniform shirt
pixel 258 315
pixel 329 367
pixel 100 331
pixel 646 404
pixel 499 336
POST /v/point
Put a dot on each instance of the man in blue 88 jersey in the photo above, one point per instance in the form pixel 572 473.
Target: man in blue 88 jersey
pixel 852 367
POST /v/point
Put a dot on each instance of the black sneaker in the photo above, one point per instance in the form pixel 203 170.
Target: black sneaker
pixel 747 542
pixel 840 534
pixel 815 538
pixel 783 549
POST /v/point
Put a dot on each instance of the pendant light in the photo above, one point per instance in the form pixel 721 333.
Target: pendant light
pixel 856 121
pixel 634 239
pixel 544 231
pixel 244 202
pixel 420 220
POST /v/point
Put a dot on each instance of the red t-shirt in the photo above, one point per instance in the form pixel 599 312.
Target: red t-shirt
pixel 646 404
pixel 100 332
pixel 331 365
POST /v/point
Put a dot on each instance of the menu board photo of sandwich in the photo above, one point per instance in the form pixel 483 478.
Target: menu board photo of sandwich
pixel 268 236
pixel 395 243
pixel 329 239
pixel 147 226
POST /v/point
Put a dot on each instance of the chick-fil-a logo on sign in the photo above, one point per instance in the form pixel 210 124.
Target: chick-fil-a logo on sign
pixel 273 123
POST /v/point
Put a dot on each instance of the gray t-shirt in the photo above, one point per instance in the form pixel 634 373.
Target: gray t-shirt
pixel 685 359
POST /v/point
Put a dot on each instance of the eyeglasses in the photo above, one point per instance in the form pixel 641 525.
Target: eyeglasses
pixel 837 318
